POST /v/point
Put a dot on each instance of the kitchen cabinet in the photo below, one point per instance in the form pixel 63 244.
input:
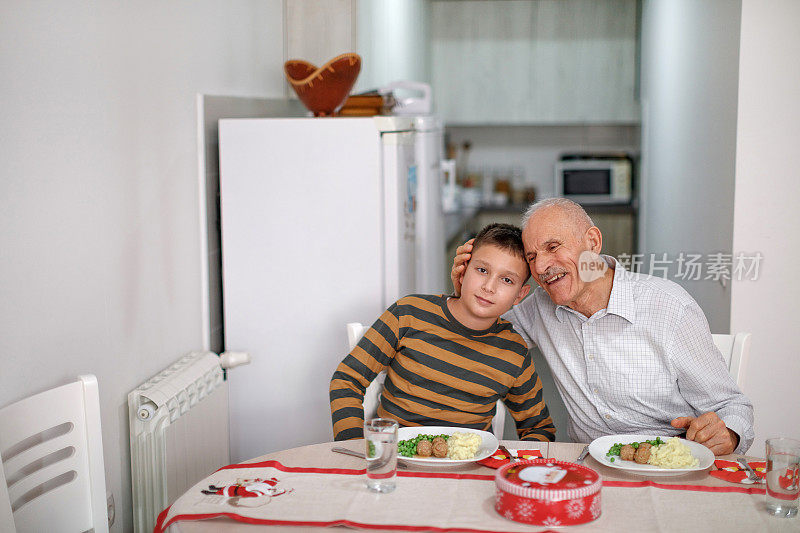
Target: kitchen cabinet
pixel 535 61
pixel 392 38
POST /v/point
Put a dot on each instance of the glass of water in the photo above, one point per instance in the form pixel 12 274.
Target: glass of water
pixel 783 469
pixel 380 435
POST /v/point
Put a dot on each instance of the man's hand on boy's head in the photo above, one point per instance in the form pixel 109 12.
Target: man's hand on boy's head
pixel 463 255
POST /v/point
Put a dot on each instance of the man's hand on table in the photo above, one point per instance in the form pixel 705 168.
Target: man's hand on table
pixel 709 430
pixel 463 255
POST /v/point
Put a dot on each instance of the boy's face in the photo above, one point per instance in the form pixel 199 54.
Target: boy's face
pixel 493 282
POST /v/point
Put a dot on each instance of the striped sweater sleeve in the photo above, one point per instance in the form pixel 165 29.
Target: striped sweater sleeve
pixel 526 404
pixel 372 354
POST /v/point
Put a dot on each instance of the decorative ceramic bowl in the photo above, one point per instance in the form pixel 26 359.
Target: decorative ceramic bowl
pixel 323 90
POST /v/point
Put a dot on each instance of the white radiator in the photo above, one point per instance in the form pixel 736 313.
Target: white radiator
pixel 179 433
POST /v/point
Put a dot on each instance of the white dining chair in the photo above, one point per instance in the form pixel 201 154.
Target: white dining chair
pixel 6 515
pixel 736 351
pixel 52 460
pixel 356 330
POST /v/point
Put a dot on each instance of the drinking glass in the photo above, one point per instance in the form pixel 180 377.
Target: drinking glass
pixel 783 468
pixel 380 435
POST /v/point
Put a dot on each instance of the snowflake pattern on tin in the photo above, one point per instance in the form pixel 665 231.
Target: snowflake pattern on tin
pixel 572 485
pixel 551 521
pixel 575 508
pixel 595 507
pixel 509 514
pixel 524 509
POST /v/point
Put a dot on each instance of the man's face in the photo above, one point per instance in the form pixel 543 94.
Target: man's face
pixel 553 247
pixel 493 282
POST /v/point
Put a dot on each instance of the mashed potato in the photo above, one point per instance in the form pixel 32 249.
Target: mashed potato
pixel 673 454
pixel 462 445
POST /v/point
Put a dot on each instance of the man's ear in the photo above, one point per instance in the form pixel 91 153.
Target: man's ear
pixel 523 292
pixel 594 239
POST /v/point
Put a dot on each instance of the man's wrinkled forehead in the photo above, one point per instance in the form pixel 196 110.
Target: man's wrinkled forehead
pixel 539 233
pixel 541 236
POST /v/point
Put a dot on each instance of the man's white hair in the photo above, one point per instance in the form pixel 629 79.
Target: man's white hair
pixel 578 217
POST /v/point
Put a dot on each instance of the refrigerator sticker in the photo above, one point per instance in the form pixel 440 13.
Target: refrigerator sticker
pixel 411 204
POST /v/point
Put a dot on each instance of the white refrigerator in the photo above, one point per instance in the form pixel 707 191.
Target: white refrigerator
pixel 323 222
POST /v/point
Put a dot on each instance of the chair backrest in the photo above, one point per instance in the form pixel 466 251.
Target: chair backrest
pixel 736 351
pixel 52 459
pixel 499 420
pixel 355 330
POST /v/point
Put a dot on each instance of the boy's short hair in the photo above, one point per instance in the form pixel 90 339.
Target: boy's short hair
pixel 506 236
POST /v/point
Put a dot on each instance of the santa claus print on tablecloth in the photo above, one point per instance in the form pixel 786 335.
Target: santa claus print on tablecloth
pixel 247 488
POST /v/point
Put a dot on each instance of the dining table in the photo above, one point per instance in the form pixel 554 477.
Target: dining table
pixel 312 487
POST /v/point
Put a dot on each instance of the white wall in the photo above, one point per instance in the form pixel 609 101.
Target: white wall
pixel 766 216
pixel 689 69
pixel 99 225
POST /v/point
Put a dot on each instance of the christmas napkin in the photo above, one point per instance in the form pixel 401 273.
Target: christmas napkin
pixel 499 458
pixel 731 471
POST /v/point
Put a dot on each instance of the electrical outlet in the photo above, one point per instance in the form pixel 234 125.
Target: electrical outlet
pixel 111 508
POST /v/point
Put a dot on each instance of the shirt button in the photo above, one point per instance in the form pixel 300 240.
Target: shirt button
pixel 595 391
pixel 608 417
pixel 591 357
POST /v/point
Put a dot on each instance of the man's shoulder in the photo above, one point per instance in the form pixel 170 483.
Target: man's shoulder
pixel 657 291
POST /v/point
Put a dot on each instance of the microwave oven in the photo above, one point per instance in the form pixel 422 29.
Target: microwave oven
pixel 595 181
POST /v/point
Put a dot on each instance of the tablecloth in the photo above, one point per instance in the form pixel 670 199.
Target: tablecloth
pixel 313 487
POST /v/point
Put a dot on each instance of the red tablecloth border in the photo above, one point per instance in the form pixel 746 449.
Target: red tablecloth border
pixel 696 488
pixel 490 477
pixel 352 472
pixel 161 527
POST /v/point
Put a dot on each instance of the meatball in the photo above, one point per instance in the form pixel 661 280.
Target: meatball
pixel 439 447
pixel 643 453
pixel 424 448
pixel 627 453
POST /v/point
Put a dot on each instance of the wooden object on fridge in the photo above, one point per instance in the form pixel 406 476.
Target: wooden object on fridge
pixel 323 89
pixel 367 105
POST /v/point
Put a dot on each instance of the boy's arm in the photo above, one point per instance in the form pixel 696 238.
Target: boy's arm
pixel 526 404
pixel 372 354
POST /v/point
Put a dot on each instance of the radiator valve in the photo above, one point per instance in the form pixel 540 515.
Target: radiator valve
pixel 146 411
pixel 232 359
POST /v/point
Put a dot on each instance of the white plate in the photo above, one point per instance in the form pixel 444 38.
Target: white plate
pixel 599 448
pixel 489 444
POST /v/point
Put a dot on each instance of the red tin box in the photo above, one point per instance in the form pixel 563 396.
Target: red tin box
pixel 547 492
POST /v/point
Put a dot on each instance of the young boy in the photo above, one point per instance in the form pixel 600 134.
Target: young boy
pixel 449 360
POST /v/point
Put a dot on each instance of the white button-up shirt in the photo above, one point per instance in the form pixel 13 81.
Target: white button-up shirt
pixel 638 364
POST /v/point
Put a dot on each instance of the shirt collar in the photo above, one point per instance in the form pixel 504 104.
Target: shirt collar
pixel 620 302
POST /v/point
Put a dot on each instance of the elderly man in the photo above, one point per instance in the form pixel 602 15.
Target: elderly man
pixel 630 353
